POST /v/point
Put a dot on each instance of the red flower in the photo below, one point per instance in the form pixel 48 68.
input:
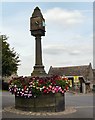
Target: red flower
pixel 67 88
pixel 25 88
pixel 45 91
pixel 40 81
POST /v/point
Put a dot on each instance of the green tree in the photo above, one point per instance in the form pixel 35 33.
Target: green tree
pixel 10 59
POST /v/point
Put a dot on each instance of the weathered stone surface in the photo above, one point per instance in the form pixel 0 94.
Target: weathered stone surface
pixel 49 102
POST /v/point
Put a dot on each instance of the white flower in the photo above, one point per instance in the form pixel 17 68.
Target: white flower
pixel 37 87
pixel 19 89
pixel 22 89
pixel 26 91
pixel 41 89
pixel 27 88
pixel 59 88
pixel 25 94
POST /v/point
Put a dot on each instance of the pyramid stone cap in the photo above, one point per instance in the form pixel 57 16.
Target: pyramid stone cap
pixel 37 13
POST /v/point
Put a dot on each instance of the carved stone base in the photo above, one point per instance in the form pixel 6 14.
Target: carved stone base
pixel 38 71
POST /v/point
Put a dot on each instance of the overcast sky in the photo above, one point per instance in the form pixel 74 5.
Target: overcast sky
pixel 69 33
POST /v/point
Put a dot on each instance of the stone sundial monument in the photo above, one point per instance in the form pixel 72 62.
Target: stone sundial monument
pixel 37 28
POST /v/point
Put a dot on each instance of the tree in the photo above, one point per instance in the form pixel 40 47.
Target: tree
pixel 10 58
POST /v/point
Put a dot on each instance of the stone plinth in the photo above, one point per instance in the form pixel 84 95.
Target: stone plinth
pixel 48 103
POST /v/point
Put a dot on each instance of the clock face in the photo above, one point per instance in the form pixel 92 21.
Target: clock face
pixel 44 24
pixel 37 23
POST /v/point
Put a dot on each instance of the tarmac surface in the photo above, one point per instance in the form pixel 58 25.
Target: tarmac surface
pixel 81 103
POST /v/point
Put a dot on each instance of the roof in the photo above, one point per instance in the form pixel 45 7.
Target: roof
pixel 94 71
pixel 70 71
pixel 94 74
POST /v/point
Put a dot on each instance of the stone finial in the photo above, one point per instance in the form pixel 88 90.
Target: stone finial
pixel 37 13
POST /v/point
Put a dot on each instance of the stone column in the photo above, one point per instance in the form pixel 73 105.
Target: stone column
pixel 38 68
pixel 38 51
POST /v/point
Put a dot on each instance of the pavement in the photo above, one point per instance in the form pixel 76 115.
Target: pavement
pixel 82 103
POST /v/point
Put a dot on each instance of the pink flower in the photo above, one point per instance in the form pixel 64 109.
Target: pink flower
pixel 22 94
pixel 53 87
pixel 53 91
pixel 15 90
pixel 50 86
pixel 62 91
pixel 29 95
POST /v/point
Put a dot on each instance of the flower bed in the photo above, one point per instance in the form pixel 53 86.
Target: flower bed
pixel 30 87
pixel 39 93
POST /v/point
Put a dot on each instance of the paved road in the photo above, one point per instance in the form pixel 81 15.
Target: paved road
pixel 83 103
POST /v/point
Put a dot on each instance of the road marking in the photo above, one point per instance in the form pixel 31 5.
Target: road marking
pixel 85 107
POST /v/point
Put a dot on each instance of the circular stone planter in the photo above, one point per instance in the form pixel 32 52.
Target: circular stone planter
pixel 48 103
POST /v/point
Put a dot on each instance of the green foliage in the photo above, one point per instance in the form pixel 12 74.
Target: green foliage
pixel 10 58
pixel 61 83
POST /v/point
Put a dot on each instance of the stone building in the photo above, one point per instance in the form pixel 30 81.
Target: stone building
pixel 94 76
pixel 81 77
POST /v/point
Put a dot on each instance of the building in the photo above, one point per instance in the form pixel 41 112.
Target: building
pixel 94 76
pixel 80 76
